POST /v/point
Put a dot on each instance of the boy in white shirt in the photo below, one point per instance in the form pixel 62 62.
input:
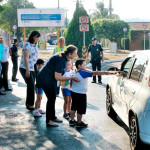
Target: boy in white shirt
pixel 79 90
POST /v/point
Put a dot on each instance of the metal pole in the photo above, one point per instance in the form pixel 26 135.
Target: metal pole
pixel 58 30
pixel 124 42
pixel 144 38
pixel 149 42
pixel 83 38
pixel 58 3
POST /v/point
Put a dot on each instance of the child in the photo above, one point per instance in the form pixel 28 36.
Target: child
pixel 78 92
pixel 39 91
pixel 66 90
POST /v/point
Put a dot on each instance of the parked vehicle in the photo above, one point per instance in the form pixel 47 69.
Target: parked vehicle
pixel 52 41
pixel 128 96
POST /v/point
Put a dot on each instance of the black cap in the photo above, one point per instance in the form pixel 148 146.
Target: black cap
pixel 94 39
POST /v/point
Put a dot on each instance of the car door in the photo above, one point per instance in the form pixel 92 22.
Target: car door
pixel 120 97
pixel 132 86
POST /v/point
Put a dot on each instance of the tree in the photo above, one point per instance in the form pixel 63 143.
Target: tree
pixel 102 12
pixel 73 35
pixel 8 17
pixel 111 29
pixel 1 8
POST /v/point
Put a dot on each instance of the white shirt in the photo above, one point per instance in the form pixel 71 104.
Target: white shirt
pixel 5 54
pixel 82 86
pixel 69 73
pixel 33 55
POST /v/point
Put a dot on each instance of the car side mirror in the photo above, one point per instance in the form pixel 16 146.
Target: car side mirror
pixel 113 69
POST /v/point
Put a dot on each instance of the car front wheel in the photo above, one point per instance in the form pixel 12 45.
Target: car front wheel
pixel 135 142
pixel 111 113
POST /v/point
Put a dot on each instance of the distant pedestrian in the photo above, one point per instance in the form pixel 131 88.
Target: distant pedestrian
pixel 66 90
pixel 5 65
pixel 28 60
pixel 59 49
pixel 14 58
pixel 48 76
pixel 39 91
pixel 1 54
pixel 97 57
pixel 79 90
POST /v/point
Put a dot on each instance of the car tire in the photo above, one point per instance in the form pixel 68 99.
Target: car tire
pixel 110 111
pixel 135 142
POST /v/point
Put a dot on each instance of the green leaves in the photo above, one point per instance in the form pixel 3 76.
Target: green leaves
pixel 73 35
pixel 111 29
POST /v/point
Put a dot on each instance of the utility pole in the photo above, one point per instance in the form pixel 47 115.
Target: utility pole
pixel 58 30
pixel 110 8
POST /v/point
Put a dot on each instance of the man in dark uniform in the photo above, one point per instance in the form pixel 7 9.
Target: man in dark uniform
pixel 14 58
pixel 96 57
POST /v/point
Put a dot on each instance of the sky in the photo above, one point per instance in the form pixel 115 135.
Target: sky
pixel 128 10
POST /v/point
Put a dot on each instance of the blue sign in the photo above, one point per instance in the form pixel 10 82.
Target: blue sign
pixel 38 17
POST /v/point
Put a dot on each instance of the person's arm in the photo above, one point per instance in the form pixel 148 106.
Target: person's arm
pixel 100 73
pixel 26 60
pixel 102 53
pixel 10 52
pixel 58 76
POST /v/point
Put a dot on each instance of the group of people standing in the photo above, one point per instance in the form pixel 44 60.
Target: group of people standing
pixel 5 51
pixel 59 68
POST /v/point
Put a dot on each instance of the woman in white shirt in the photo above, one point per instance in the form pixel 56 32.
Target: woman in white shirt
pixel 28 60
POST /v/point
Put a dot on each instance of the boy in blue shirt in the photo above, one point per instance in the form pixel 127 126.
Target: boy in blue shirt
pixel 79 90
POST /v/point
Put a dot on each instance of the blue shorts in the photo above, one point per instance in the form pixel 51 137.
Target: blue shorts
pixel 38 90
pixel 66 92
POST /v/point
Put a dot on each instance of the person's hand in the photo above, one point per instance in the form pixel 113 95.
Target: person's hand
pixel 27 75
pixel 75 79
pixel 121 73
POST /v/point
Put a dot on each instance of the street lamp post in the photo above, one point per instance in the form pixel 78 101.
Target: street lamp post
pixel 124 30
pixel 149 38
pixel 144 26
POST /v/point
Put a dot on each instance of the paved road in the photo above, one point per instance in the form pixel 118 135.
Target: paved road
pixel 20 130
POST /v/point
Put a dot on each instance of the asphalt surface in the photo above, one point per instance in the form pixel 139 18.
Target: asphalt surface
pixel 20 130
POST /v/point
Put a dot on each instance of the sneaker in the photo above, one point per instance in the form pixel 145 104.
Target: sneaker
pixel 36 114
pixel 81 125
pixel 41 111
pixel 93 82
pixel 100 82
pixel 66 116
pixel 72 123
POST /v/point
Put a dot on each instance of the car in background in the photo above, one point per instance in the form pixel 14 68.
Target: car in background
pixel 128 96
pixel 52 41
pixel 20 43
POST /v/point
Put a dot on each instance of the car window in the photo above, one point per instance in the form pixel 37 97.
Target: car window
pixel 139 67
pixel 127 64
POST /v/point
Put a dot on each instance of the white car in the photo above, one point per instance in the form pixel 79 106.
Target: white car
pixel 128 96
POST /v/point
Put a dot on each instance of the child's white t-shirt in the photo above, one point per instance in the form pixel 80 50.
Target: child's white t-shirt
pixel 69 73
pixel 82 86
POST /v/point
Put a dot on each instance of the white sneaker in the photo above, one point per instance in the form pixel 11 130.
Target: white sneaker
pixel 37 114
pixel 41 111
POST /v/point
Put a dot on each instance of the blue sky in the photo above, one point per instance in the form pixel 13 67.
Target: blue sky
pixel 126 9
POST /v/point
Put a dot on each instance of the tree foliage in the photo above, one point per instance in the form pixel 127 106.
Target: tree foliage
pixel 111 29
pixel 73 35
pixel 102 12
pixel 8 17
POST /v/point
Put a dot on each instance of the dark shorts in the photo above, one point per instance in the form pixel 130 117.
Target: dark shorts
pixel 38 90
pixel 66 92
pixel 79 102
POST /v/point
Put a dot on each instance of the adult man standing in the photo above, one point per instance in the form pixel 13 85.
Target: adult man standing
pixel 97 57
pixel 58 49
pixel 1 54
pixel 4 63
pixel 14 58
